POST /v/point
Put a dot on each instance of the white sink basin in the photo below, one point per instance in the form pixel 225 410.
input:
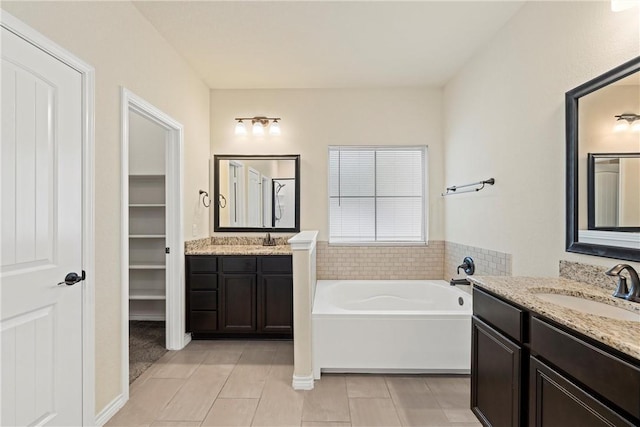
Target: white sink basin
pixel 590 306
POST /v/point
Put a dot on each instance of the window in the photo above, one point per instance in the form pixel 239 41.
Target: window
pixel 377 194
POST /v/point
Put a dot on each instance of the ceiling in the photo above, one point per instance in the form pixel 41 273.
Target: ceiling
pixel 322 44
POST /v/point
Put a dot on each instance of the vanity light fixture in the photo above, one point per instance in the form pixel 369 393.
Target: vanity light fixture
pixel 626 121
pixel 258 123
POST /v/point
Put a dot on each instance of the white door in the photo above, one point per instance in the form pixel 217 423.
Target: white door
pixel 254 202
pixel 236 194
pixel 41 323
pixel 266 202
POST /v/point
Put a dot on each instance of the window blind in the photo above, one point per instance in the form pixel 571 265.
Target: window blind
pixel 377 194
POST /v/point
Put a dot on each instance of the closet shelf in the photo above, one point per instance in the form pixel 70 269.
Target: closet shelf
pixel 147 267
pixel 147 205
pixel 145 175
pixel 147 236
pixel 147 294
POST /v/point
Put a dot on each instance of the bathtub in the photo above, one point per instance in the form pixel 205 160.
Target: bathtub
pixel 405 326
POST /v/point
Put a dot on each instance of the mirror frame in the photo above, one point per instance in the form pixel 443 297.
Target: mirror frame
pixel 591 188
pixel 216 193
pixel 571 116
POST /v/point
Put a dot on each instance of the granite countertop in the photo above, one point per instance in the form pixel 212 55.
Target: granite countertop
pixel 622 335
pixel 239 250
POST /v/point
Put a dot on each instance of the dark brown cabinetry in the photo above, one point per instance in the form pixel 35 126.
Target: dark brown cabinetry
pixel 497 361
pixel 239 295
pixel 556 401
pixel 527 370
pixel 496 376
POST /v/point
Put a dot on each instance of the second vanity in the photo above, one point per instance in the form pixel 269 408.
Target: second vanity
pixel 239 290
pixel 539 363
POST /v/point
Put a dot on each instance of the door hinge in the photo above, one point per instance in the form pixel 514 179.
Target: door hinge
pixel 167 250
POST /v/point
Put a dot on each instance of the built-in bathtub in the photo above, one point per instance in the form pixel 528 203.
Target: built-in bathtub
pixel 405 326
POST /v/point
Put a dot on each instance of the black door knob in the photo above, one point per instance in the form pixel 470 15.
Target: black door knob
pixel 72 278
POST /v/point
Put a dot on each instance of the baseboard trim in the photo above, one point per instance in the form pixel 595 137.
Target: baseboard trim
pixel 110 410
pixel 302 383
pixel 187 339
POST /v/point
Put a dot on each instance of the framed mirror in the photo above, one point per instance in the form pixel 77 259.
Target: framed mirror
pixel 613 191
pixel 256 193
pixel 603 136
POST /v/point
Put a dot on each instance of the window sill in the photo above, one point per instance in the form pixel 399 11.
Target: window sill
pixel 379 244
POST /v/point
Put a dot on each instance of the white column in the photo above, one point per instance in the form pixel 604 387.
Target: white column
pixel 303 246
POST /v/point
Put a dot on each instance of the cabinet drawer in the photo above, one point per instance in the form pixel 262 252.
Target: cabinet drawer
pixel 277 264
pixel 242 264
pixel 204 321
pixel 203 281
pixel 203 300
pixel 203 264
pixel 505 317
pixel 554 400
pixel 612 378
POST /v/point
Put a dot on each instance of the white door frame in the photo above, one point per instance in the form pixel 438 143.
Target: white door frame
pixel 175 305
pixel 87 74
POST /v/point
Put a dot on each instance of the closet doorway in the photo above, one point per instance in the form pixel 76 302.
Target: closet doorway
pixel 152 241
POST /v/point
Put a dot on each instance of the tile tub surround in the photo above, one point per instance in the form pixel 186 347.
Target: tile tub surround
pixel 380 262
pixel 236 246
pixel 619 334
pixel 587 273
pixel 487 262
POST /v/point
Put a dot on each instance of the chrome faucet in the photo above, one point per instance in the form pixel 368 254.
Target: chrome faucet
pixel 631 294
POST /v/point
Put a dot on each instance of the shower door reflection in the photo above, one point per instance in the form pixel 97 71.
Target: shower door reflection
pixel 284 202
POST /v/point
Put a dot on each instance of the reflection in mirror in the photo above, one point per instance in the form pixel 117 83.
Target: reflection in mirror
pixel 603 207
pixel 614 191
pixel 260 193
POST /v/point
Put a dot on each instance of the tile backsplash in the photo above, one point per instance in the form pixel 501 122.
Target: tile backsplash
pixel 487 262
pixel 380 262
pixel 436 261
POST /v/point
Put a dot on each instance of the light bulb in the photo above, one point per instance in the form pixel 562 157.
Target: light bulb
pixel 621 125
pixel 635 126
pixel 241 129
pixel 274 129
pixel 257 128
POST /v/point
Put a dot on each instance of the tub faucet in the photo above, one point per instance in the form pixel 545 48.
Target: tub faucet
pixel 633 293
pixel 467 265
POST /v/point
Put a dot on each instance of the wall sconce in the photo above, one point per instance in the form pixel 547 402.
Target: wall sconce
pixel 258 123
pixel 627 121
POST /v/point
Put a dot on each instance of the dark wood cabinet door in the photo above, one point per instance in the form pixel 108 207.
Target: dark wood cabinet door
pixel 238 308
pixel 275 308
pixel 495 377
pixel 554 401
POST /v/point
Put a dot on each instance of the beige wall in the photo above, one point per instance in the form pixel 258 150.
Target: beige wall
pixel 313 119
pixel 504 118
pixel 125 50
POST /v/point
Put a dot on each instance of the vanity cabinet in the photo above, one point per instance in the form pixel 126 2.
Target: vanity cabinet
pixel 497 361
pixel 529 370
pixel 230 295
pixel 566 374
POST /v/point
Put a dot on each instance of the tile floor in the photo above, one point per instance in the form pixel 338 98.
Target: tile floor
pixel 248 383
